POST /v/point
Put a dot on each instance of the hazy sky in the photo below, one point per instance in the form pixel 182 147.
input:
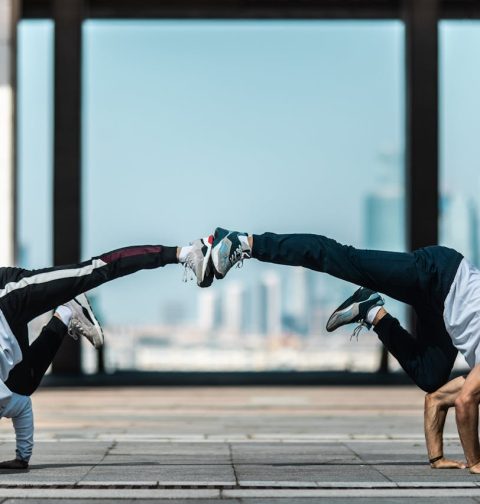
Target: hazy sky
pixel 255 125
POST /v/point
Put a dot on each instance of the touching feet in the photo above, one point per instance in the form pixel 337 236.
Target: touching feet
pixel 215 255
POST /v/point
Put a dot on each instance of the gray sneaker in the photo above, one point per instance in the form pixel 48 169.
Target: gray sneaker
pixel 83 321
pixel 198 261
pixel 355 309
pixel 227 251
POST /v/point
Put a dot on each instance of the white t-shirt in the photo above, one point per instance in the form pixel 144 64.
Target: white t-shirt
pixel 461 312
pixel 15 406
pixel 10 353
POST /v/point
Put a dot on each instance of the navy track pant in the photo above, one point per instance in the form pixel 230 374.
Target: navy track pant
pixel 421 279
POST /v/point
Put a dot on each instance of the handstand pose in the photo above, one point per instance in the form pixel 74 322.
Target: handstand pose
pixel 26 294
pixel 438 282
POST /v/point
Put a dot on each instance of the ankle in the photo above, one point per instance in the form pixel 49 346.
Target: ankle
pixel 182 253
pixel 63 313
pixel 381 313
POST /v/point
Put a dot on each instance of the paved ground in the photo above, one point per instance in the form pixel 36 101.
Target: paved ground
pixel 238 445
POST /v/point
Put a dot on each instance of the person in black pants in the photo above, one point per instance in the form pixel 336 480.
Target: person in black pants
pixel 440 285
pixel 26 294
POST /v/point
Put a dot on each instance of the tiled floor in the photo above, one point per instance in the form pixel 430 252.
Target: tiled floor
pixel 247 445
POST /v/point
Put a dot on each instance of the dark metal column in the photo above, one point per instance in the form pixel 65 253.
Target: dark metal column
pixel 68 15
pixel 421 39
pixel 421 21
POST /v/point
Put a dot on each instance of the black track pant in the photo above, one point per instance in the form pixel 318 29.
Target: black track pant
pixel 26 376
pixel 421 279
pixel 25 294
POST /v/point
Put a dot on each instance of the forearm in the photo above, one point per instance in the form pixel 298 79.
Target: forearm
pixel 466 413
pixel 437 405
pixel 434 423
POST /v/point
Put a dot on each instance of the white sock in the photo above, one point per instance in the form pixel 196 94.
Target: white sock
pixel 65 314
pixel 372 313
pixel 184 251
pixel 243 239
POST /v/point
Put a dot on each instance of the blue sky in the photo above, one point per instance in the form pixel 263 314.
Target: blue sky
pixel 255 125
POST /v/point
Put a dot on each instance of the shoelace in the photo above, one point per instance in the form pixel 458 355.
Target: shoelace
pixel 75 325
pixel 237 256
pixel 188 265
pixel 358 329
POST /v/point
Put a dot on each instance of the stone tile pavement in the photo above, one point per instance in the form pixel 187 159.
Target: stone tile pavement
pixel 234 445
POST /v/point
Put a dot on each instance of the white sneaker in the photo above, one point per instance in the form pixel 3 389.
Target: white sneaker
pixel 198 260
pixel 83 321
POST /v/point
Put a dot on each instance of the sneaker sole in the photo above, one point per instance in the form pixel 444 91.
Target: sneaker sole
pixel 219 235
pixel 206 260
pixel 215 254
pixel 342 317
pixel 346 315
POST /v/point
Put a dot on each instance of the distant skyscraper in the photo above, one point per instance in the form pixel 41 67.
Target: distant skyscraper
pixel 234 308
pixel 385 220
pixel 385 229
pixel 299 299
pixel 474 231
pixel 208 312
pixel 173 312
pixel 270 304
pixel 459 225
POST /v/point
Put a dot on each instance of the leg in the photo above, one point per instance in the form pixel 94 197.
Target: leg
pixel 26 294
pixel 427 359
pixel 392 273
pixel 26 376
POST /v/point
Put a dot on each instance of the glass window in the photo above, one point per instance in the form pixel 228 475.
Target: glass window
pixel 35 142
pixel 35 148
pixel 459 146
pixel 285 126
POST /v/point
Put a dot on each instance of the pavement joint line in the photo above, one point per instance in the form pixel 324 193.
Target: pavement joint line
pixel 234 469
pixel 112 445
pixel 252 439
pixel 358 456
pixel 245 486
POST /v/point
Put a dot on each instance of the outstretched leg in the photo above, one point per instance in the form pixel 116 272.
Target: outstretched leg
pixel 422 276
pixel 392 273
pixel 25 294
